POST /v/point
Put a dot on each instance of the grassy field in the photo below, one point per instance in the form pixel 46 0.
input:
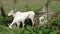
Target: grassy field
pixel 31 4
pixel 24 5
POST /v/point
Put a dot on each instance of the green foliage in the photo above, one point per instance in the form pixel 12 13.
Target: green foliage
pixel 26 5
pixel 56 21
pixel 5 20
pixel 15 1
pixel 29 30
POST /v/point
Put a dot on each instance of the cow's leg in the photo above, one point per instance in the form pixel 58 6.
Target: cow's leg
pixel 18 24
pixel 32 22
pixel 23 23
pixel 10 26
pixel 31 16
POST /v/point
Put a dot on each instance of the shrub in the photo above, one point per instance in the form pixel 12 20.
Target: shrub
pixel 5 20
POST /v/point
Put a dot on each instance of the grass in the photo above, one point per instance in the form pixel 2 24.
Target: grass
pixel 32 5
pixel 54 5
pixel 29 30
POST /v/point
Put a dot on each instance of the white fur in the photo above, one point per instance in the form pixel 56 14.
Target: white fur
pixel 43 19
pixel 20 17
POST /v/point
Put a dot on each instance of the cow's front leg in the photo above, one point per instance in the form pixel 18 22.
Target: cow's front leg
pixel 10 26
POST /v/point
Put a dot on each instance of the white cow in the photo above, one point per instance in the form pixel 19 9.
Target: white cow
pixel 43 19
pixel 20 17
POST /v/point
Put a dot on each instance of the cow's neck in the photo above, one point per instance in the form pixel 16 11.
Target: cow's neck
pixel 13 15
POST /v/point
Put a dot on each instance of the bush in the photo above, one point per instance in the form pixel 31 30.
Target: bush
pixel 56 21
pixel 5 20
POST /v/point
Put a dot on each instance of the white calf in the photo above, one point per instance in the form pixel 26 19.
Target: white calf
pixel 20 17
pixel 25 14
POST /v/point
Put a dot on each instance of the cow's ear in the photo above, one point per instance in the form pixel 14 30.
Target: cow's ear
pixel 15 10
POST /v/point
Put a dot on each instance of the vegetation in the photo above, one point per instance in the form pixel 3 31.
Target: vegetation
pixel 52 27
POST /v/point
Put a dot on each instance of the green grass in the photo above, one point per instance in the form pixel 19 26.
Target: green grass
pixel 29 30
pixel 54 5
pixel 34 5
